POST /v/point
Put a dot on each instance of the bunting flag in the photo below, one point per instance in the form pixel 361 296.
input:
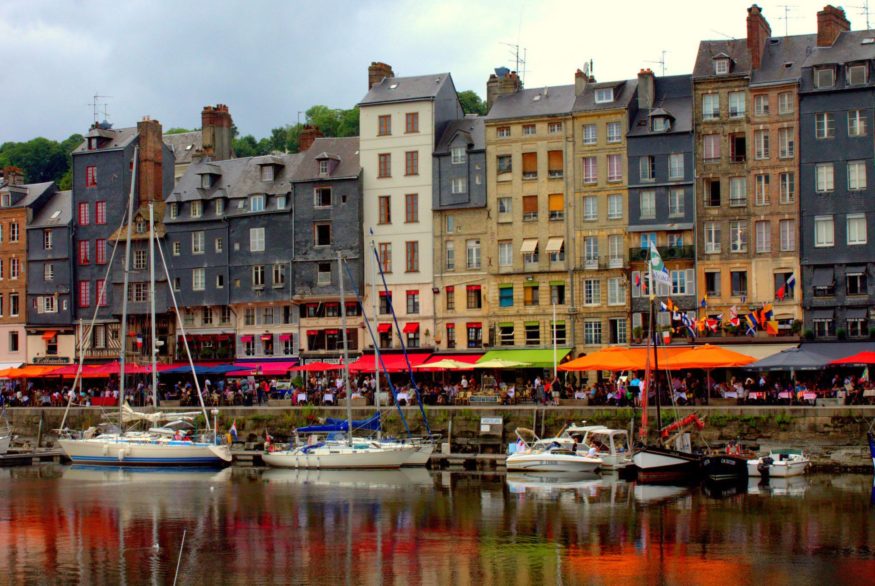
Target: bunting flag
pixel 704 302
pixel 791 283
pixel 750 320
pixel 663 306
pixel 657 267
pixel 733 316
pixel 768 312
pixel 772 327
pixel 672 306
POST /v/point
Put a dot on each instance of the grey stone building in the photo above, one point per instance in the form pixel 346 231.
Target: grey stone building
pixel 837 199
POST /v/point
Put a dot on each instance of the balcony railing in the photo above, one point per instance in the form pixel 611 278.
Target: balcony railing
pixel 639 254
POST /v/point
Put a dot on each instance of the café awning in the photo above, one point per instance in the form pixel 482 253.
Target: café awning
pixel 411 327
pixel 393 362
pixel 49 335
pixel 536 358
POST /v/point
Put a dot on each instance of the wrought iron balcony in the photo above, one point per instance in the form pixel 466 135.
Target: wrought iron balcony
pixel 639 254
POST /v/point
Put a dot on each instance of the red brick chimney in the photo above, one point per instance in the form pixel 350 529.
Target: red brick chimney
pixel 831 22
pixel 149 176
pixel 216 132
pixel 758 32
pixel 501 83
pixel 308 135
pixel 13 175
pixel 377 72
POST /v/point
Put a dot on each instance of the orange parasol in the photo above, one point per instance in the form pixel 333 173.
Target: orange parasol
pixel 707 357
pixel 611 358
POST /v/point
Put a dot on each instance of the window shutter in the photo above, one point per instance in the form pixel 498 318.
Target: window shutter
pixel 691 281
pixel 530 162
pixel 554 160
pixel 530 204
pixel 556 202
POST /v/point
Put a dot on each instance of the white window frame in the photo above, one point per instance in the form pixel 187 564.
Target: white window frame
pixel 763 230
pixel 614 132
pixel 676 203
pixel 738 236
pixel 615 207
pixel 737 110
pixel 198 279
pixel 856 123
pixel 711 106
pixel 824 231
pixel 860 232
pixel 676 166
pixel 256 239
pixel 787 231
pixel 824 175
pixel 647 206
pixel 505 253
pixel 856 172
pixel 590 134
pixel 604 95
pixel 197 242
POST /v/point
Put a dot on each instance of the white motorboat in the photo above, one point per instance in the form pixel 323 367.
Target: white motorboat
pixel 5 440
pixel 612 446
pixel 548 455
pixel 341 454
pixel 781 463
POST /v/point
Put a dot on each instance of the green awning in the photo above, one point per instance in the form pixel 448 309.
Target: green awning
pixel 557 282
pixel 505 324
pixel 532 323
pixel 537 358
pixel 505 285
pixel 531 284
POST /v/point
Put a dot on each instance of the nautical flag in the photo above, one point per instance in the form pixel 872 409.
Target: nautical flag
pixel 733 316
pixel 781 292
pixel 768 312
pixel 772 327
pixel 791 282
pixel 689 324
pixel 712 324
pixel 657 267
pixel 233 430
pixel 865 375
pixel 671 304
pixel 663 306
pixel 750 319
pixel 704 301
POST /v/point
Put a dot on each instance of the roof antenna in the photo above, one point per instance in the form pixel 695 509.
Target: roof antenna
pixel 661 62
pixel 864 10
pixel 731 38
pixel 96 107
pixel 787 18
pixel 520 61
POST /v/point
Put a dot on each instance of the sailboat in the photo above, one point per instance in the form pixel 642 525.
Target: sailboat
pixel 171 444
pixel 338 448
pixel 662 462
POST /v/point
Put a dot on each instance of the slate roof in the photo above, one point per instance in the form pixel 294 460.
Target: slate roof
pixel 472 127
pixel 345 150
pixel 736 49
pixel 782 59
pixel 406 89
pixel 31 192
pixel 122 137
pixel 61 202
pixel 847 48
pixel 624 90
pixel 533 103
pixel 237 178
pixel 672 95
pixel 184 145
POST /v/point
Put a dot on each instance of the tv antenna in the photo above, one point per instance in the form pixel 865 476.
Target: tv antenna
pixel 787 18
pixel 864 10
pixel 519 60
pixel 97 106
pixel 730 37
pixel 661 61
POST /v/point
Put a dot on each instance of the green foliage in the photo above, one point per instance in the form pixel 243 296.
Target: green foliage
pixel 177 130
pixel 808 335
pixel 329 121
pixel 783 419
pixel 719 420
pixel 842 334
pixel 472 103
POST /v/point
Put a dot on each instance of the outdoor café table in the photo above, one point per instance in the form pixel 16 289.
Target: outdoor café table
pixel 869 393
pixel 756 395
pixel 809 396
pixel 734 395
pixel 302 398
pixel 328 398
pixel 785 395
pixel 403 396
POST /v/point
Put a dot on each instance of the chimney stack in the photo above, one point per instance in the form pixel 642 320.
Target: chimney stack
pixel 216 133
pixel 758 32
pixel 646 89
pixel 150 179
pixel 308 136
pixel 13 175
pixel 502 82
pixel 831 22
pixel 377 72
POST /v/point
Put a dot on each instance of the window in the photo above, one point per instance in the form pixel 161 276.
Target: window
pixel 711 147
pixel 220 281
pixel 615 250
pixel 824 125
pixel 712 283
pixel 856 123
pixel 267 172
pixel 646 168
pixel 556 206
pixel 761 105
pixel 824 177
pixel 533 333
pixel 785 103
pixel 49 272
pixel 472 248
pixel 474 297
pixel 503 131
pixel 530 165
pixel 14 268
pixel 531 295
pixel 411 208
pixel 721 66
pixel 761 144
pixel 257 276
pixel 505 253
pixel 138 292
pixel 590 170
pixel 824 78
pixel 219 244
pixel 411 256
pixel 857 327
pixel 856 175
pixel 412 302
pixel 682 282
pixel 198 279
pixel 384 165
pixel 856 283
pixel 458 185
pixel 604 95
pixel 590 134
pixel 554 128
pixel 786 143
pixel 738 236
pixel 615 207
pixel 529 130
pixel 84 294
pixel 197 207
pixel 280 202
pixel 505 206
pixel 256 204
pixel 615 168
pixel 279 275
pixel 660 123
pixel 738 147
pixel 100 212
pixel 174 211
pixel 676 166
pixel 857 74
pixel 140 260
pixel 590 208
pixel 197 241
pixel 736 105
pixel 591 250
pixel 712 237
pixel 530 253
pixel 739 283
pixel 322 234
pixel 676 203
pixel 504 164
pixel 592 292
pixel 13 336
pixel 530 208
pixel 384 125
pixel 592 332
pixel 856 225
pixel 219 206
pixel 256 240
pixel 780 283
pixel 555 165
pixel 83 213
pixel 505 295
pixel 761 189
pixel 84 252
pixel 648 205
pixel 324 167
pixel 557 294
pixel 711 106
pixel 206 181
pixel 824 328
pixel 451 223
pixel 450 249
pixel 616 292
pixel 788 187
pixel 457 155
pixel 451 298
pixel 411 163
pixel 763 231
pixel 411 122
pixel 787 229
pixel 47 305
pixel 385 250
pixel 615 133
pixel 322 197
pixel 824 231
pixel 385 209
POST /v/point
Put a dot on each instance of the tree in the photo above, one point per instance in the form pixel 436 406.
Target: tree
pixel 472 103
pixel 178 130
pixel 248 146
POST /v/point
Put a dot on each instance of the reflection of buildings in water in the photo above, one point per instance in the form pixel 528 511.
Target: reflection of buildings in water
pixel 790 486
pixel 652 494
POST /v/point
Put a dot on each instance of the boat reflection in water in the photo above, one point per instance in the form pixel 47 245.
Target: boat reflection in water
pixel 353 479
pixel 789 486
pixel 103 474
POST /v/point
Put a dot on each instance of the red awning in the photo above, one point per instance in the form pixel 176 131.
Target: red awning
pixel 474 324
pixel 393 362
pixel 411 327
pixel 450 288
pixel 384 328
pixel 278 368
pixel 245 339
pixel 473 287
pixel 332 332
pixel 49 335
pixel 384 294
pixel 285 337
pixel 413 292
pixel 312 332
pixel 332 304
pixel 266 337
pixel 223 338
pixel 451 326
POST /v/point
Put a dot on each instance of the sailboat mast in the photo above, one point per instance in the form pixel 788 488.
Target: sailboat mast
pixel 377 341
pixel 654 341
pixel 153 337
pixel 345 349
pixel 127 271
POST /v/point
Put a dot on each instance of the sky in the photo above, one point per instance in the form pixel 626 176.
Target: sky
pixel 270 60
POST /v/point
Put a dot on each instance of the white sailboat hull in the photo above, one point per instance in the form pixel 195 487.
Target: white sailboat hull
pixel 419 456
pixel 547 462
pixel 340 456
pixel 122 452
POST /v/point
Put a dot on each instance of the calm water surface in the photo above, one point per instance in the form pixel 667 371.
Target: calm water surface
pixel 61 524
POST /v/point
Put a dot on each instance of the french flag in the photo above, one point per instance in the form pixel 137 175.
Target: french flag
pixel 233 430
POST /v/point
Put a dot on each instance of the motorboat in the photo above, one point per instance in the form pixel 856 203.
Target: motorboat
pixel 729 465
pixel 420 455
pixel 5 441
pixel 548 455
pixel 780 463
pixel 341 454
pixel 661 463
pixel 612 446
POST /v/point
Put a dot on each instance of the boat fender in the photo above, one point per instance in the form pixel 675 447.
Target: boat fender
pixel 121 455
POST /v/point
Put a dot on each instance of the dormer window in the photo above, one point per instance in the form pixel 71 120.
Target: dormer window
pixel 174 211
pixel 604 95
pixel 6 200
pixel 457 155
pixel 140 226
pixel 206 181
pixel 721 66
pixel 267 173
pixel 824 78
pixel 197 209
pixel 92 143
pixel 256 203
pixel 323 167
pixel 857 74
pixel 660 124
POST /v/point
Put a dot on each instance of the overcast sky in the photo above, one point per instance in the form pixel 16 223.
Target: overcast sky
pixel 268 60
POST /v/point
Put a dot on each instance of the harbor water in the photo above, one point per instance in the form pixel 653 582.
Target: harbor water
pixel 70 524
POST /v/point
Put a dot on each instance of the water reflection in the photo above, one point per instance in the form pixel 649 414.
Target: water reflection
pixel 65 524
